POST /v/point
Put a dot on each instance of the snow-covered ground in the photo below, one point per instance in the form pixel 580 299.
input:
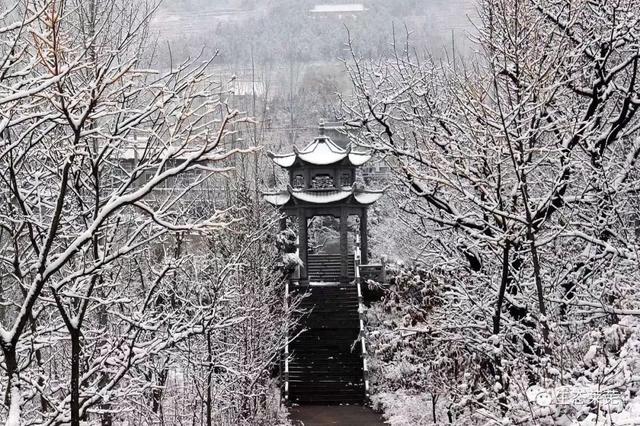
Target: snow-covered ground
pixel 601 388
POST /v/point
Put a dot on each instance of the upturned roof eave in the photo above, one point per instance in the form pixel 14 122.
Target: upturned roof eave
pixel 351 196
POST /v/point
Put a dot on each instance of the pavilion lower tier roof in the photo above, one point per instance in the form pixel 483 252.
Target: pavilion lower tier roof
pixel 293 196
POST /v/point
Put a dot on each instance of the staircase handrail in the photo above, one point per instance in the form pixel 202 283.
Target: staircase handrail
pixel 365 367
pixel 286 342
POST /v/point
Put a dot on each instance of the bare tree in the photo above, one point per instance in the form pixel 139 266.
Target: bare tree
pixel 517 170
pixel 100 159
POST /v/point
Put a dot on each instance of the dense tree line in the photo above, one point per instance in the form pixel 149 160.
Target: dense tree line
pixel 134 276
pixel 518 174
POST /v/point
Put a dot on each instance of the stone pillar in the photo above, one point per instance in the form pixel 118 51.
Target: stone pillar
pixel 344 248
pixel 306 173
pixel 364 240
pixel 303 244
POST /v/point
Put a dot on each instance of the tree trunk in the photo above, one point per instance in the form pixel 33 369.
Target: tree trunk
pixel 506 274
pixel 540 291
pixel 13 380
pixel 434 401
pixel 157 392
pixel 497 360
pixel 44 405
pixel 74 403
pixel 209 379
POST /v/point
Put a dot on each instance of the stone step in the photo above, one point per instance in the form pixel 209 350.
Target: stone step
pixel 325 372
pixel 323 295
pixel 306 340
pixel 300 359
pixel 314 312
pixel 325 363
pixel 327 268
pixel 351 375
pixel 328 256
pixel 341 351
pixel 328 298
pixel 337 265
pixel 326 381
pixel 326 398
pixel 340 347
pixel 342 387
pixel 350 303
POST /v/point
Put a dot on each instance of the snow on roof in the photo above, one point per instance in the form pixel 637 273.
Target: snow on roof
pixel 322 197
pixel 324 143
pixel 359 158
pixel 367 197
pixel 321 152
pixel 338 8
pixel 277 198
pixel 283 160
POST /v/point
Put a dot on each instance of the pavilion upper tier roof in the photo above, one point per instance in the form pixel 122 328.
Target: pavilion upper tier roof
pixel 321 152
pixel 297 196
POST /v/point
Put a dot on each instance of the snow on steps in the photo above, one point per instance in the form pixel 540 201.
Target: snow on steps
pixel 325 364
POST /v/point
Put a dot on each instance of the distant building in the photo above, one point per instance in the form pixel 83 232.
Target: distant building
pixel 340 11
pixel 247 88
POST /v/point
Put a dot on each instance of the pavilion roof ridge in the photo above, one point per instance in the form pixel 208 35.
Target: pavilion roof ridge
pixel 331 145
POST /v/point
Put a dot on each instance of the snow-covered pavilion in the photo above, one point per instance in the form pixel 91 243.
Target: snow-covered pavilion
pixel 322 182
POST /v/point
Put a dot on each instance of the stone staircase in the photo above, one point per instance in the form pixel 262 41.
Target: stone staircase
pixel 326 267
pixel 325 362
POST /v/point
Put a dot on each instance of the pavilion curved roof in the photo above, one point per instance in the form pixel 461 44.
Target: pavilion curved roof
pixel 321 152
pixel 296 196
